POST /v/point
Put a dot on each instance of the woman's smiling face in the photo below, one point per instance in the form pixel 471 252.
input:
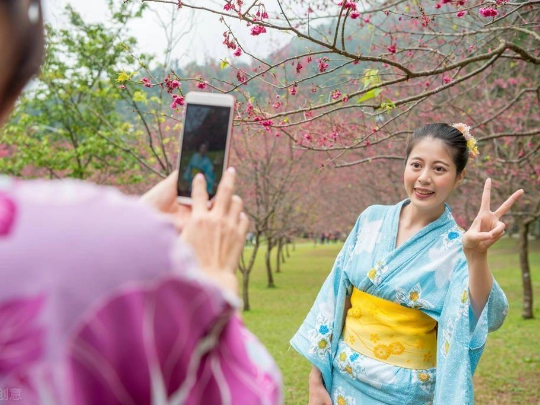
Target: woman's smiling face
pixel 430 176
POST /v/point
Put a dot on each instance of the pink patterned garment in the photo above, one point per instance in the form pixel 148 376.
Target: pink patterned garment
pixel 101 304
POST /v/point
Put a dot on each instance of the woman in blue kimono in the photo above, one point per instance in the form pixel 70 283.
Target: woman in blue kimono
pixel 201 163
pixel 403 316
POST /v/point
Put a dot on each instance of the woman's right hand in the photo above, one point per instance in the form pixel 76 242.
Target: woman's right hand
pixel 217 234
pixel 318 395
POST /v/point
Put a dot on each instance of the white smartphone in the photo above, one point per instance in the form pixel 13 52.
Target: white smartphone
pixel 205 141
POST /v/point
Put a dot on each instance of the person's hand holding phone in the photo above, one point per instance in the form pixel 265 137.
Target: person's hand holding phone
pixel 217 234
pixel 162 197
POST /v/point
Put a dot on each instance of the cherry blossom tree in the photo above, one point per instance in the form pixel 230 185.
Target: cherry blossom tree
pixel 275 181
pixel 357 78
pixel 373 61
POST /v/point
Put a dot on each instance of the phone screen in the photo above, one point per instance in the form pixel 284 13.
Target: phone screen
pixel 203 146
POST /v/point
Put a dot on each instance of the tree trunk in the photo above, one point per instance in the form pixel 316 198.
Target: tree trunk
pixel 525 270
pixel 269 265
pixel 245 269
pixel 278 256
pixel 287 249
pixel 245 292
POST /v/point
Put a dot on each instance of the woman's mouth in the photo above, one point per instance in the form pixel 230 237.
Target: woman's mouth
pixel 423 193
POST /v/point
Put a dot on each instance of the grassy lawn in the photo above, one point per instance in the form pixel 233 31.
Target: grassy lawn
pixel 509 372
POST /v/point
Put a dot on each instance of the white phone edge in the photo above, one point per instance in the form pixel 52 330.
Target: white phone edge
pixel 212 99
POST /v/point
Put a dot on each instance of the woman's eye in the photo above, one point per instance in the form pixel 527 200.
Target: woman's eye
pixel 440 169
pixel 416 165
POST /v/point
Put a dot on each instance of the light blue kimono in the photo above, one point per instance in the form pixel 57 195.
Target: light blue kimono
pixel 202 164
pixel 431 264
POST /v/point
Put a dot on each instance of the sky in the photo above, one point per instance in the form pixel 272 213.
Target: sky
pixel 203 40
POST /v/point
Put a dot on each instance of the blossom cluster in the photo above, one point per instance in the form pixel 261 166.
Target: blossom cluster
pixel 488 12
pixel 177 101
pixel 322 64
pixel 257 30
pixel 147 82
pixel 171 85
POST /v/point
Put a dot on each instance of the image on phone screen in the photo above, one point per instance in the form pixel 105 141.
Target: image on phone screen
pixel 203 146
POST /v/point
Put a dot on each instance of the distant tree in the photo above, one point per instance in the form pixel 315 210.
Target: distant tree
pixel 272 176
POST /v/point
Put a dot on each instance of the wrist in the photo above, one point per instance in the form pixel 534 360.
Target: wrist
pixel 315 377
pixel 474 255
pixel 224 279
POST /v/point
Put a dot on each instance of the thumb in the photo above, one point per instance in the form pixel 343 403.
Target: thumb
pixel 163 194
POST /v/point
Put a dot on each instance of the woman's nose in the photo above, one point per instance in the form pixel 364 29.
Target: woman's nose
pixel 424 177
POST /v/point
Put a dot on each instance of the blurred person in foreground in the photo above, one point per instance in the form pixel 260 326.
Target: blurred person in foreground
pixel 101 301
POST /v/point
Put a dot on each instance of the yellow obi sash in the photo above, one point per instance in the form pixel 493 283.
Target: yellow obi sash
pixel 389 332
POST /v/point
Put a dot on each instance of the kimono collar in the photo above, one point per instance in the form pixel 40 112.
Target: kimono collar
pixel 444 220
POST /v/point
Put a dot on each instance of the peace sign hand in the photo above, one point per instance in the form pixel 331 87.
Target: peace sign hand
pixel 487 228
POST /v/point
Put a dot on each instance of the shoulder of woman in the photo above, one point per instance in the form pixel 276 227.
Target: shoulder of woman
pixel 84 225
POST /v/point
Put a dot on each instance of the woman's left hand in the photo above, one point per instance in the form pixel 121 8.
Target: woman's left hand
pixel 162 197
pixel 487 228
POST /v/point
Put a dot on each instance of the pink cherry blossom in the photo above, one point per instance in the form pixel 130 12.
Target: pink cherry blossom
pixel 322 64
pixel 146 82
pixel 177 101
pixel 242 76
pixel 257 30
pixel 488 12
pixel 335 94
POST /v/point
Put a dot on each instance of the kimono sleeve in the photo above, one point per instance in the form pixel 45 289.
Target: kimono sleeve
pixel 318 335
pixel 461 338
pixel 178 341
pixel 491 319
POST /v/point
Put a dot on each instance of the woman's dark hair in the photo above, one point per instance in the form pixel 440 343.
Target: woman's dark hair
pixel 26 29
pixel 452 138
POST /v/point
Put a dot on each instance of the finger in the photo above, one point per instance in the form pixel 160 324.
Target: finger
pixel 499 235
pixel 163 194
pixel 225 192
pixel 482 237
pixel 505 207
pixel 498 230
pixel 243 226
pixel 237 205
pixel 169 187
pixel 486 196
pixel 199 195
pixel 181 216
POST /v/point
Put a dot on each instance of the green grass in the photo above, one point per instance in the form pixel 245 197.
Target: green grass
pixel 509 371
